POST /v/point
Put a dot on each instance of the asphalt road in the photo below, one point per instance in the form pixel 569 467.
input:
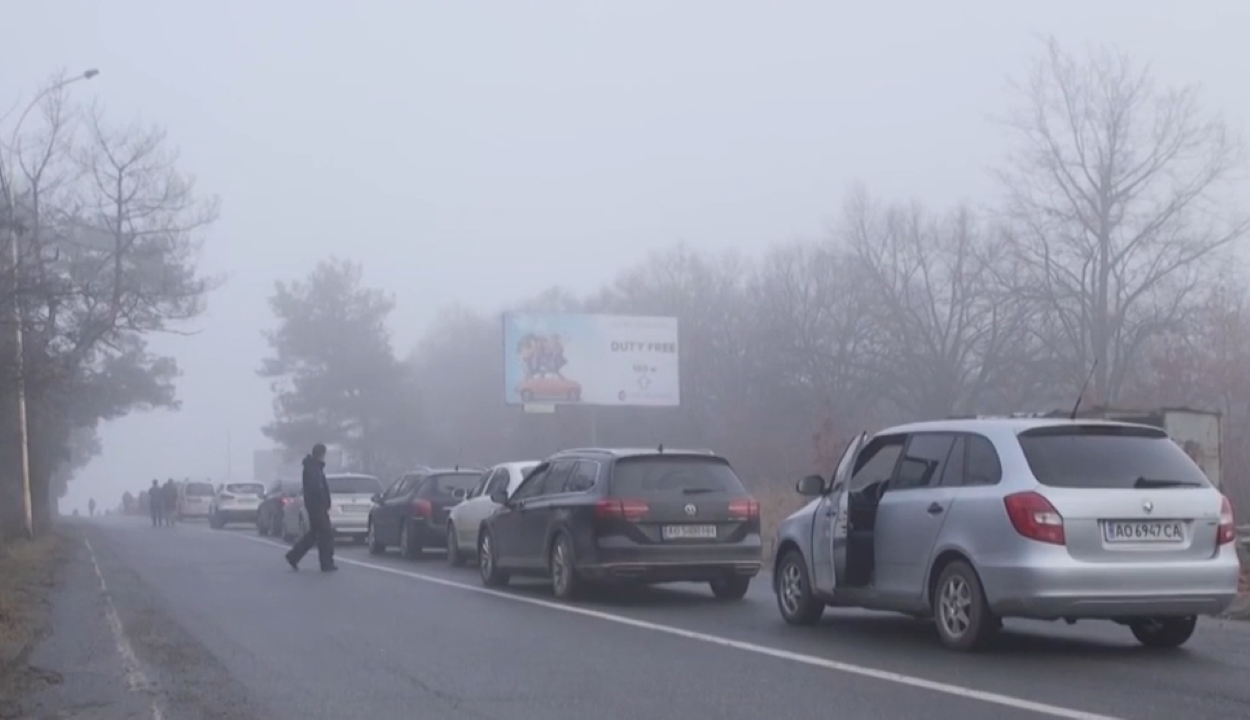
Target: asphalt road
pixel 212 624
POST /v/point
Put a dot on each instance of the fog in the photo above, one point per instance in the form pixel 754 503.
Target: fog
pixel 480 153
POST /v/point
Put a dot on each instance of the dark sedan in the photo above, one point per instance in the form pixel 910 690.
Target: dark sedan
pixel 599 516
pixel 412 513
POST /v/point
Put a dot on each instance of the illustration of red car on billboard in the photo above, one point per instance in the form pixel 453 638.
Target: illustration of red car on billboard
pixel 543 361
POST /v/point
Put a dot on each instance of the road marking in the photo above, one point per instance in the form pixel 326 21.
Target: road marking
pixel 136 679
pixel 961 691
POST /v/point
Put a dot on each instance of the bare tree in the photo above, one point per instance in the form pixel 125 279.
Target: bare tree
pixel 1117 193
pixel 950 338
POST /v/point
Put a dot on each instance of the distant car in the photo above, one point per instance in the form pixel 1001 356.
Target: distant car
pixel 412 513
pixel 235 503
pixel 195 499
pixel 466 517
pixel 350 501
pixel 269 512
pixel 972 521
pixel 592 516
pixel 549 388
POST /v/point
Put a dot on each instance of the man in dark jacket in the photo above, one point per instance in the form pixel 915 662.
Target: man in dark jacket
pixel 317 505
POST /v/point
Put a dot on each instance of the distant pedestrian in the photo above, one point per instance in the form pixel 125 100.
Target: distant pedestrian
pixel 91 507
pixel 169 499
pixel 156 504
pixel 317 505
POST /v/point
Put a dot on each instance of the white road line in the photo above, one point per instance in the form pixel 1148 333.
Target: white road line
pixel 961 691
pixel 136 679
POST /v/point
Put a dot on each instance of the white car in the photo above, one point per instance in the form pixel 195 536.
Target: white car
pixel 195 499
pixel 235 503
pixel 467 517
pixel 351 498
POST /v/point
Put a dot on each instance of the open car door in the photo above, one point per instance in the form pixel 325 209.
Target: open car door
pixel 829 523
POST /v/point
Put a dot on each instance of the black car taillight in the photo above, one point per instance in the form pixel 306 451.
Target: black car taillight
pixel 744 509
pixel 628 510
pixel 422 508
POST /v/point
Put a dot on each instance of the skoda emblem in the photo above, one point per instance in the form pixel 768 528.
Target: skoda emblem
pixel 1148 506
pixel 691 509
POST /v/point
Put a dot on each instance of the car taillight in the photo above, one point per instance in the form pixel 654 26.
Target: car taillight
pixel 1035 518
pixel 1228 523
pixel 287 501
pixel 746 509
pixel 422 508
pixel 629 510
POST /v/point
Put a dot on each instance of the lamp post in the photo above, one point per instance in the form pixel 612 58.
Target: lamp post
pixel 18 317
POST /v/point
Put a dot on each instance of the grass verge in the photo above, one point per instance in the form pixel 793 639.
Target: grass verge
pixel 27 576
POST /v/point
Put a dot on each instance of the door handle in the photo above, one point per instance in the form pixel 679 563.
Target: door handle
pixel 934 509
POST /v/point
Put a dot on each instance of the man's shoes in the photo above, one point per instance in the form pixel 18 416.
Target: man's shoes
pixel 291 561
pixel 330 568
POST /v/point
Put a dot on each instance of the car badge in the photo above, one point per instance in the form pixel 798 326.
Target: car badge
pixel 691 509
pixel 1148 506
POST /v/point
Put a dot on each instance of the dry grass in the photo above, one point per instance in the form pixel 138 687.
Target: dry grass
pixel 776 502
pixel 26 577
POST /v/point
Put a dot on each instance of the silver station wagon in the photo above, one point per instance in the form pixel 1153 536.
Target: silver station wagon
pixel 973 521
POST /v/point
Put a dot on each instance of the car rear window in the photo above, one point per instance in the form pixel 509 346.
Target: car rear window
pixel 353 484
pixel 444 484
pixel 677 476
pixel 245 488
pixel 198 489
pixel 1108 457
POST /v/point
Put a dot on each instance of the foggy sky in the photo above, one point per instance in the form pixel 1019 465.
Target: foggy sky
pixel 562 140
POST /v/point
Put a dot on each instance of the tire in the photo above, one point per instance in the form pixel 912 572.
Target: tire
pixel 376 547
pixel 275 526
pixel 492 576
pixel 261 528
pixel 793 588
pixel 215 523
pixel 566 584
pixel 454 556
pixel 964 619
pixel 1166 633
pixel 730 588
pixel 408 543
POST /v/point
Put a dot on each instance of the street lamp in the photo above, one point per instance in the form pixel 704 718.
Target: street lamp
pixel 18 318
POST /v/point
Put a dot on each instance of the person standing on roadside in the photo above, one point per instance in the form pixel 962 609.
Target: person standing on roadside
pixel 317 505
pixel 91 507
pixel 156 503
pixel 169 497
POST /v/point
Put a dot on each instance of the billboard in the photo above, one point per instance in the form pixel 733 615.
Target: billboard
pixel 567 359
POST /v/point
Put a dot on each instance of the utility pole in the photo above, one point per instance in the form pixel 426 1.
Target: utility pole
pixel 19 350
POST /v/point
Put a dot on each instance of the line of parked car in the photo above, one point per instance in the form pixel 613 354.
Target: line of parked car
pixel 963 521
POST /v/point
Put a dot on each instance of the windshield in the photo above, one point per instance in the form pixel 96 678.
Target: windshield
pixel 1108 456
pixel 198 489
pixel 674 476
pixel 353 484
pixel 445 484
pixel 245 488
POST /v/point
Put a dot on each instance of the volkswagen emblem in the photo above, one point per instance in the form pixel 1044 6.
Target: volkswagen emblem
pixel 1148 506
pixel 691 509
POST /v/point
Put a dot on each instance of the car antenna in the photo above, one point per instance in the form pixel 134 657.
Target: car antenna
pixel 1076 407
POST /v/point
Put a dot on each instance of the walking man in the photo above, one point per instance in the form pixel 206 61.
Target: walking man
pixel 156 503
pixel 317 505
pixel 169 495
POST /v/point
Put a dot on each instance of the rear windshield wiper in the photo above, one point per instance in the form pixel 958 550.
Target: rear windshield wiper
pixel 1145 482
pixel 697 491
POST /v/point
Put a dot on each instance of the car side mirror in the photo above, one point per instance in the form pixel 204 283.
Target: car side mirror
pixel 811 486
pixel 499 497
pixel 377 499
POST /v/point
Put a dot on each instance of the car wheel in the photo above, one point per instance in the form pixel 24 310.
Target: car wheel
pixel 566 584
pixel 454 557
pixel 1164 633
pixel 214 522
pixel 408 543
pixel 795 600
pixel 492 576
pixel 376 546
pixel 730 588
pixel 276 526
pixel 964 618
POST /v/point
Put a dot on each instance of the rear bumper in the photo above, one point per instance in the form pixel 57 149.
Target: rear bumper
pixel 352 524
pixel 1070 589
pixel 200 511
pixel 621 560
